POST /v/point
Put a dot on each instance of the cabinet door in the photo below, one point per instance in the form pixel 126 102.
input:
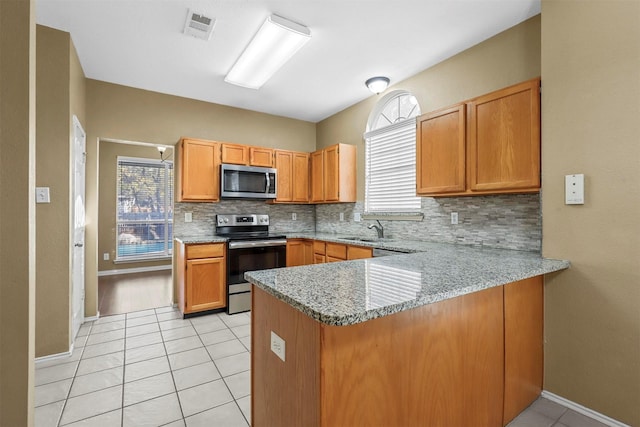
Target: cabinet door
pixel 332 174
pixel 440 151
pixel 199 171
pixel 319 259
pixel 504 139
pixel 308 252
pixel 235 154
pixel 300 177
pixel 317 176
pixel 284 185
pixel 295 253
pixel 206 288
pixel 260 156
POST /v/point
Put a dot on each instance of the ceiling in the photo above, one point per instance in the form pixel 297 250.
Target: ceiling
pixel 140 43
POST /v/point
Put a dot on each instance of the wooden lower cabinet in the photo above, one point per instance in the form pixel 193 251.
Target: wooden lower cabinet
pixel 299 252
pixel 335 252
pixel 201 277
pixel 444 364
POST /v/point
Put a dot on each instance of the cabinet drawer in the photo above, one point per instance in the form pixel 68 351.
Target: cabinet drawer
pixel 336 250
pixel 210 250
pixel 359 252
pixel 318 247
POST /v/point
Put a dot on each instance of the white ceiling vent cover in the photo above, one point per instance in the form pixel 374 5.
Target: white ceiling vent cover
pixel 198 25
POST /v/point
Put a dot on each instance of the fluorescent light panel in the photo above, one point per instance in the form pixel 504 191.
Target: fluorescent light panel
pixel 275 43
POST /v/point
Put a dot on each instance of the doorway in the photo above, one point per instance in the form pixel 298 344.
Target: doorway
pixel 77 257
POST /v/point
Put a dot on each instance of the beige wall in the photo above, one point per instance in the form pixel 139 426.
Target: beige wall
pixel 109 152
pixel 591 125
pixel 52 170
pixel 505 59
pixel 122 113
pixel 60 86
pixel 17 211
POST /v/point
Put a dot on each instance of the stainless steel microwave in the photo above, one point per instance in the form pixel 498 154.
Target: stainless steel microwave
pixel 247 182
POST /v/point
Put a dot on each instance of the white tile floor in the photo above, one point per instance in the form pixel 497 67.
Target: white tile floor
pixel 150 368
pixel 153 368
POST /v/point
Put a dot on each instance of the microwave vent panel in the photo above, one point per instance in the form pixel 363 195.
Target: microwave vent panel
pixel 198 25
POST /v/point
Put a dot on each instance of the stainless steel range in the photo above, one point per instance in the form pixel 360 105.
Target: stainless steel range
pixel 250 247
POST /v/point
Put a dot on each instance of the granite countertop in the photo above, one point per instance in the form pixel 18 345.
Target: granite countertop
pixel 203 238
pixel 351 292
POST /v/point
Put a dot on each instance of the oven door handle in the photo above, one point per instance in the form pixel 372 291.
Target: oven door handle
pixel 257 244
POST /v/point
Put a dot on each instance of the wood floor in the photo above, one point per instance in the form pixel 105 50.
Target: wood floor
pixel 124 293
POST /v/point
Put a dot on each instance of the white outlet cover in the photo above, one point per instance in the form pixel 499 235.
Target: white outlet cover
pixel 42 195
pixel 188 217
pixel 574 189
pixel 357 217
pixel 278 346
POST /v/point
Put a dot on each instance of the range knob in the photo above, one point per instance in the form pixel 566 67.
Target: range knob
pixel 226 220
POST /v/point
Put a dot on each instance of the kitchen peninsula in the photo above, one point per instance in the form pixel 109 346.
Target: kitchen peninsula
pixel 448 336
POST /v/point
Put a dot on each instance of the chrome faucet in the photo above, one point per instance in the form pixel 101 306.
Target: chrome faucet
pixel 379 228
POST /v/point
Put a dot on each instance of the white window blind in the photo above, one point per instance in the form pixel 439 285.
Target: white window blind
pixel 391 168
pixel 144 214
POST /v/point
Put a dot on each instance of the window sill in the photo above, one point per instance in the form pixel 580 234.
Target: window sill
pixel 393 216
pixel 142 259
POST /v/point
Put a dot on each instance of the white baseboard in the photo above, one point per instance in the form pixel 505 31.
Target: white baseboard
pixel 134 270
pixel 583 410
pixel 92 318
pixel 53 357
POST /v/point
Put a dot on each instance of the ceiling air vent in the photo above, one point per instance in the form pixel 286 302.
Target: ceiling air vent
pixel 199 26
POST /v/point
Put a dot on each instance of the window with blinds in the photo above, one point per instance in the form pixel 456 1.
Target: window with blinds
pixel 144 217
pixel 390 164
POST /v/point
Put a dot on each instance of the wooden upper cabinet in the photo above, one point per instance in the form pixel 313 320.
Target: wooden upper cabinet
pixel 235 154
pixel 300 177
pixel 293 176
pixel 199 178
pixel 440 151
pixel 495 149
pixel 239 154
pixel 504 139
pixel 317 176
pixel 260 156
pixel 333 174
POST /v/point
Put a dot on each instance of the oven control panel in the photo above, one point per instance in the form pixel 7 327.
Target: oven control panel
pixel 242 220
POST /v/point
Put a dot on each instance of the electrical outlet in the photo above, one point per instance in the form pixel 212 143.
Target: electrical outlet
pixel 188 216
pixel 357 217
pixel 105 256
pixel 278 346
pixel 454 218
pixel 341 216
pixel 294 216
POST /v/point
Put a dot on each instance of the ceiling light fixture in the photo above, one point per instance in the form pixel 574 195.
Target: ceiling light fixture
pixel 161 150
pixel 377 84
pixel 275 43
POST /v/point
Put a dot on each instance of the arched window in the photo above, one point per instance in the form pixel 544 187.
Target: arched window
pixel 390 151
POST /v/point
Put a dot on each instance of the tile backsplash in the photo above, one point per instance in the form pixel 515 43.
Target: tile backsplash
pixel 505 221
pixel 204 216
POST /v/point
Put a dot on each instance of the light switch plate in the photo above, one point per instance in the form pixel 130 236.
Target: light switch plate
pixel 278 346
pixel 574 189
pixel 42 195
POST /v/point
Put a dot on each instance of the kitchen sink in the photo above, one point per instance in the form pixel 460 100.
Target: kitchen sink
pixel 366 239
